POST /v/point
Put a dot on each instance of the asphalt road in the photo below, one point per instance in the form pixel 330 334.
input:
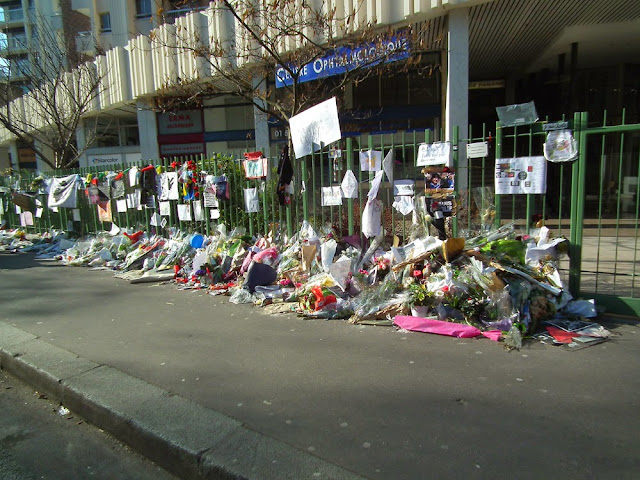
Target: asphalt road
pixel 383 403
pixel 36 442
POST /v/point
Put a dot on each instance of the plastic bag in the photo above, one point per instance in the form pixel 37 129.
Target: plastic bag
pixel 327 252
pixel 241 295
pixel 372 218
pixel 560 146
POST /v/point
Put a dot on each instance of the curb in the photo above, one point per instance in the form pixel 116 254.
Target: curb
pixel 183 437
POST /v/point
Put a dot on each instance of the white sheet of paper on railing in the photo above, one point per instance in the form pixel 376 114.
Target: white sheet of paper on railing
pixel 316 126
pixel 521 175
pixel 331 196
pixel 438 153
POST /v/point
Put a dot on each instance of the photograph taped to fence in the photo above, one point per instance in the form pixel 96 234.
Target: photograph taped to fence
pixel 438 180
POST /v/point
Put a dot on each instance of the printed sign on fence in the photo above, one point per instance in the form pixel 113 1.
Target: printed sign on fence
pixel 521 175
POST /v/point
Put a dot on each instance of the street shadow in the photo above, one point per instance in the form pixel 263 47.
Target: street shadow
pixel 20 261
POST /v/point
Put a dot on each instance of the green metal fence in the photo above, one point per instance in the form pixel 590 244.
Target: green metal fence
pixel 593 201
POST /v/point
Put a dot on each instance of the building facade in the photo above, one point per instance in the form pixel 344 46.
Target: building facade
pixel 566 55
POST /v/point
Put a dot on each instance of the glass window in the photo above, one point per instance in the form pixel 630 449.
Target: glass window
pixel 105 22
pixel 143 8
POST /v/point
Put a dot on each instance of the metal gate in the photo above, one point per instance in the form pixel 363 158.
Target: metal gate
pixel 604 227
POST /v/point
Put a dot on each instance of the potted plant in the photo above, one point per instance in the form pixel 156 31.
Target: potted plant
pixel 421 299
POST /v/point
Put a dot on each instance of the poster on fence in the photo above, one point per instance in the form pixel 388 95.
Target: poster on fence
pixel 521 175
pixel 316 126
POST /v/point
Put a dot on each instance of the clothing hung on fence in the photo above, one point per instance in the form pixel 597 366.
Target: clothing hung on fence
pixel 149 185
pixel 63 192
pixel 285 173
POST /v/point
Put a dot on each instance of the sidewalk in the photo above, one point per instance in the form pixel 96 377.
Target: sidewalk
pixel 209 389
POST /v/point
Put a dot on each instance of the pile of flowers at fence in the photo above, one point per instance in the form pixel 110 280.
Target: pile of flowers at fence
pixel 502 285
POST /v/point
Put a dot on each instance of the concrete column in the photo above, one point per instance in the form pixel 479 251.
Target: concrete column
pixel 148 129
pixel 13 151
pixel 261 124
pixel 81 142
pixel 457 95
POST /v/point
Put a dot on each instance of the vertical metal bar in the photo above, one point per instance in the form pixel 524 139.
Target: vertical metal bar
pixel 530 197
pixel 498 198
pixel 513 197
pixel 577 190
pixel 305 199
pixel 349 153
pixel 600 197
pixel 314 188
pixel 454 218
pixel 620 159
pixel 468 140
pixel 322 209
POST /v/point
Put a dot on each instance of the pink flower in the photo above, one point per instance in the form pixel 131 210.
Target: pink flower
pixel 445 288
pixel 417 273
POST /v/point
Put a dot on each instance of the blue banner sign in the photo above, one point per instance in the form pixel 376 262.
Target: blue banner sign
pixel 344 59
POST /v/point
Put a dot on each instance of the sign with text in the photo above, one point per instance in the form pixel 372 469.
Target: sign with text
pixel 345 59
pixel 187 121
pixel 181 149
pixel 106 159
pixel 477 150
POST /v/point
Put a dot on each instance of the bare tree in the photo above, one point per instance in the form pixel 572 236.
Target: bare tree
pixel 52 88
pixel 241 45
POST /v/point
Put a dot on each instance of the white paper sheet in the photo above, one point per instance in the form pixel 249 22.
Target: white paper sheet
pixel 251 200
pixel 387 164
pixel 121 205
pixel 434 154
pixel 370 160
pixel 155 219
pixel 198 211
pixel 165 208
pixel 184 213
pixel 349 185
pixel 315 126
pixel 331 196
pixel 375 185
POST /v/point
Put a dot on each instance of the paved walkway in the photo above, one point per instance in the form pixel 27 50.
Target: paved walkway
pixel 203 386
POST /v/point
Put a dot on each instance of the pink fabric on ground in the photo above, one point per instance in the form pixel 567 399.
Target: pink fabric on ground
pixel 429 325
pixel 493 335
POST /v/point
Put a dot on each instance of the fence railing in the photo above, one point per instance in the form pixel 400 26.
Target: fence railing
pixel 594 201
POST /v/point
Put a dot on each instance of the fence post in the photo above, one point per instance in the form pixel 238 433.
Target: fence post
pixel 454 218
pixel 498 198
pixel 578 180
